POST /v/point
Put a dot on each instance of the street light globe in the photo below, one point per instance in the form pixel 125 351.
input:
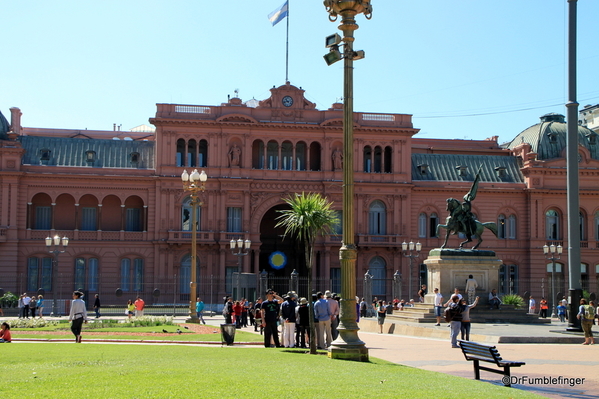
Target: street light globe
pixel 185 176
pixel 232 244
pixel 203 176
pixel 195 176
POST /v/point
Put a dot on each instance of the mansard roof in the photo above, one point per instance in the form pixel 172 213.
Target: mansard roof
pixel 548 138
pixel 4 127
pixel 85 152
pixel 463 168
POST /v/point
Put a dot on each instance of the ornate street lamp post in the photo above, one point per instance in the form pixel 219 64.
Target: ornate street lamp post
pixel 54 245
pixel 194 184
pixel 552 253
pixel 240 249
pixel 408 252
pixel 348 345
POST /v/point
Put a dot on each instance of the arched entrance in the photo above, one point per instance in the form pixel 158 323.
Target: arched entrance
pixel 272 241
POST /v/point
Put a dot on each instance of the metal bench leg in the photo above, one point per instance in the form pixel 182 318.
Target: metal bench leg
pixel 506 373
pixel 476 370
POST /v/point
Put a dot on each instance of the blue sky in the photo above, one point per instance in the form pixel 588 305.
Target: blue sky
pixel 467 69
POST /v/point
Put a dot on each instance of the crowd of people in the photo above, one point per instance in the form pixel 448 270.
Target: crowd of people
pixel 287 315
pixel 30 305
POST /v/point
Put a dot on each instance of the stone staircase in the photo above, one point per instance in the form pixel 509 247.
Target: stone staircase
pixel 425 313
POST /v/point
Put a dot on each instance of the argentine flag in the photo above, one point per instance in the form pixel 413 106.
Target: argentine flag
pixel 279 14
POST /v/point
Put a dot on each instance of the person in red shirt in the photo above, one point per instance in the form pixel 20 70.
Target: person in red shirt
pixel 5 333
pixel 237 311
pixel 139 307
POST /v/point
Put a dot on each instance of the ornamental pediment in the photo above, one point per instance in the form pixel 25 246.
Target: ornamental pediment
pixel 239 118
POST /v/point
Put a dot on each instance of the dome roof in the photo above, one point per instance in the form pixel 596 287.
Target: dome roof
pixel 548 138
pixel 4 127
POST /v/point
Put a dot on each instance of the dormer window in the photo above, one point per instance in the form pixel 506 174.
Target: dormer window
pixel 45 154
pixel 462 170
pixel 592 137
pixel 134 158
pixel 90 156
pixel 552 137
pixel 500 170
pixel 423 168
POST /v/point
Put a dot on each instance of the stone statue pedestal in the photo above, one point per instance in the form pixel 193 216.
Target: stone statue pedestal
pixel 449 269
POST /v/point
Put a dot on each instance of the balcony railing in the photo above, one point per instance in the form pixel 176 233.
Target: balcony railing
pixel 89 235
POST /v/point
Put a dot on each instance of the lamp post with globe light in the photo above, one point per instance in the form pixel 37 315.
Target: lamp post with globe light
pixel 56 246
pixel 412 251
pixel 194 184
pixel 240 249
pixel 553 253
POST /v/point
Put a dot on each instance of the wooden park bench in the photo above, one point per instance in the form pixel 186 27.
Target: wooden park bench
pixel 484 353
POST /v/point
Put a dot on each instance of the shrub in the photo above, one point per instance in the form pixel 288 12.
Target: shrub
pixel 9 300
pixel 516 300
pixel 32 323
pixel 144 321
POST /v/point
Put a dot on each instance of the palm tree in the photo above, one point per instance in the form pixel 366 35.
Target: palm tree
pixel 309 216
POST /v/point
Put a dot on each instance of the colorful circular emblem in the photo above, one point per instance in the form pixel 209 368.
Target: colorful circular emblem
pixel 277 260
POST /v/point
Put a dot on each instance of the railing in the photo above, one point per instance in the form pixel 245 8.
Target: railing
pixel 88 235
pixel 185 236
pixel 382 240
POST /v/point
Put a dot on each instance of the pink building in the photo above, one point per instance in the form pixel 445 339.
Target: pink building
pixel 118 197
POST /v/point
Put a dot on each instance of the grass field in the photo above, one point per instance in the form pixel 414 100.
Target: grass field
pixel 65 370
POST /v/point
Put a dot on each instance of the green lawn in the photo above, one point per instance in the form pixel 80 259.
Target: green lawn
pixel 65 370
pixel 108 333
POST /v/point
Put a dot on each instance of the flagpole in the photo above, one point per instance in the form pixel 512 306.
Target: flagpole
pixel 287 47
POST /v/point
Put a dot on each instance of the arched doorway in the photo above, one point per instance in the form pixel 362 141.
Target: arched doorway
pixel 272 241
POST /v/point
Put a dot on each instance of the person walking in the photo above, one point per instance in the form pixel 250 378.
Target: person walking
pixel 97 306
pixel 471 286
pixel 322 313
pixel 586 315
pixel 532 305
pixel 139 307
pixel 26 300
pixel 40 305
pixel 200 309
pixel 381 315
pixel 130 309
pixel 543 306
pixel 438 306
pixel 270 315
pixel 465 325
pixel 78 315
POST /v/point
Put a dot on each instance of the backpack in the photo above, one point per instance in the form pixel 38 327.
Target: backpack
pixel 589 312
pixel 448 314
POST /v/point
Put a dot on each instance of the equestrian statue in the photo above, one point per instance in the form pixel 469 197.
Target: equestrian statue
pixel 462 220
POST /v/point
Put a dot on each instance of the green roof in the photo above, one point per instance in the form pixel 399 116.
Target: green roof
pixel 84 152
pixel 459 167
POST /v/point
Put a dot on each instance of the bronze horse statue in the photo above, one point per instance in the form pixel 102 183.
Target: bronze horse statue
pixel 460 220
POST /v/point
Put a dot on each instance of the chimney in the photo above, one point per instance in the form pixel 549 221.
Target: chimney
pixel 15 120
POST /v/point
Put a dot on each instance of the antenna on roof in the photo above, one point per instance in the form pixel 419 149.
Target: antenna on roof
pixel 236 93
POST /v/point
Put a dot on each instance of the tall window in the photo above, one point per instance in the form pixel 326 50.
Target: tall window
pixel 132 274
pixel 336 279
pixel 377 266
pixel 378 159
pixel 186 212
pixel 501 226
pixel 272 155
pixel 582 224
pixel 377 219
pixel 287 155
pixel 300 156
pixel 191 153
pixel 433 222
pixel 337 228
pixel 597 226
pixel 388 165
pixel 185 274
pixel 39 274
pixel 88 218
pixel 203 154
pixel 233 219
pixel 180 159
pixel 86 274
pixel 367 159
pixel 512 227
pixel 422 225
pixel 133 219
pixel 43 217
pixel 552 225
pixel 508 279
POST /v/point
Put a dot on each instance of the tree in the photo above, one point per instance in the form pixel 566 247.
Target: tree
pixel 309 216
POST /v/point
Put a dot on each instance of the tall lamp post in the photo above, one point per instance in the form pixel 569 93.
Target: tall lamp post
pixel 348 345
pixel 552 253
pixel 194 184
pixel 56 246
pixel 412 251
pixel 240 249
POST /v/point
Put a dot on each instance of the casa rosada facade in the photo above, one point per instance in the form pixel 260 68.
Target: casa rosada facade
pixel 119 198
